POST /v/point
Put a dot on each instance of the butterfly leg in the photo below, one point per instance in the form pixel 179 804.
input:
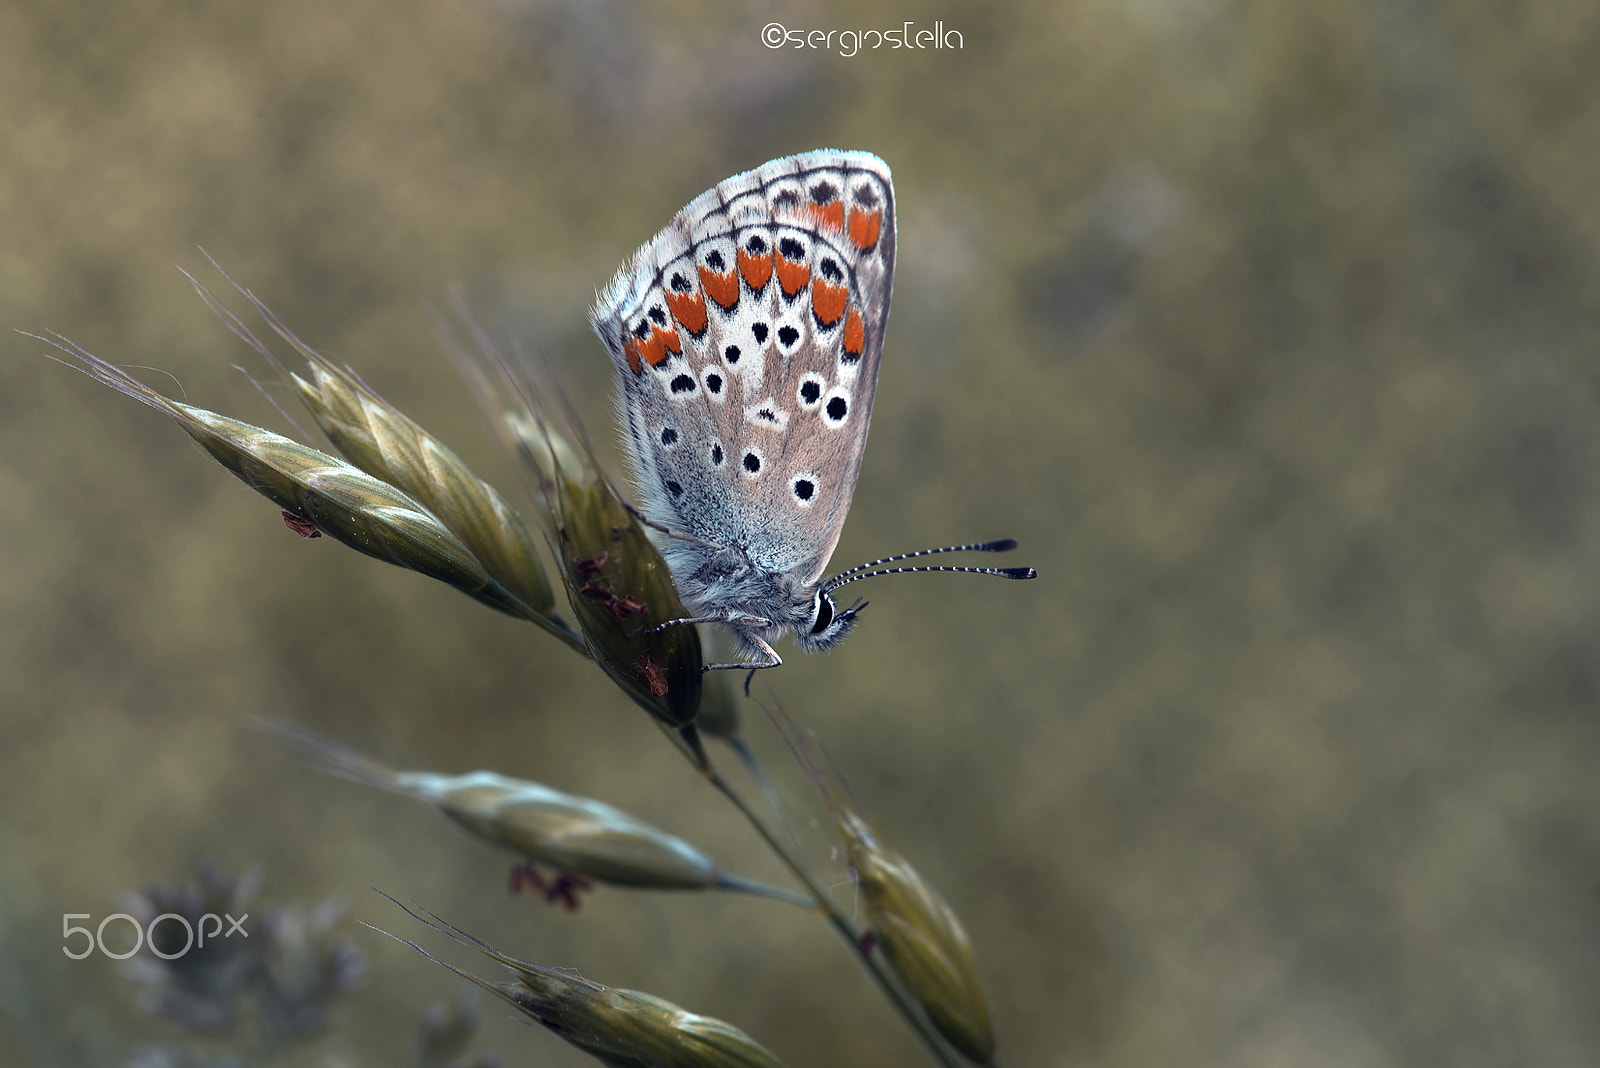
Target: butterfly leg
pixel 732 619
pixel 683 622
pixel 773 661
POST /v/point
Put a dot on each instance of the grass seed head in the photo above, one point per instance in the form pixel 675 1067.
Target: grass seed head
pixel 629 1029
pixel 549 453
pixel 617 583
pixel 620 1028
pixel 534 821
pixel 381 440
pixel 922 939
pixel 569 833
pixel 572 834
pixel 344 502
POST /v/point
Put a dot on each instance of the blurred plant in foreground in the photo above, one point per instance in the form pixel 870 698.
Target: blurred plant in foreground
pixel 446 1031
pixel 289 964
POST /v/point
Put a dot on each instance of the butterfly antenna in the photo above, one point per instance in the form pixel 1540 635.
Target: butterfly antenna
pixel 1003 572
pixel 1004 545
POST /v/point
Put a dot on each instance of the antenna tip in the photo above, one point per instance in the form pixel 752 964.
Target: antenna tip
pixel 1004 545
pixel 1017 572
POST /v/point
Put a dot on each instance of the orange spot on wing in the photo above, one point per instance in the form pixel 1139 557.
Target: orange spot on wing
pixel 660 343
pixel 755 270
pixel 855 334
pixel 829 217
pixel 723 288
pixel 792 276
pixel 631 351
pixel 828 301
pixel 864 227
pixel 690 310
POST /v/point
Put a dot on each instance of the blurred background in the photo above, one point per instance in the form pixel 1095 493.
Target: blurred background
pixel 1268 329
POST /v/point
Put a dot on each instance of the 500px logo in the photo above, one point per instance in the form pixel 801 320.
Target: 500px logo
pixel 141 935
pixel 849 42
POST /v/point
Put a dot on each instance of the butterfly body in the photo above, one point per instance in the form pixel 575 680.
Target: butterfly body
pixel 746 338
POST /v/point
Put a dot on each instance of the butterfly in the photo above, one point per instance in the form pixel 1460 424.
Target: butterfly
pixel 746 338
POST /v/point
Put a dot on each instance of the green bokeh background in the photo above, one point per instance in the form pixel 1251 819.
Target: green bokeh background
pixel 1270 330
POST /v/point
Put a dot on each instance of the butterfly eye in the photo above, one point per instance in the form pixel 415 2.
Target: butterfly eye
pixel 829 625
pixel 824 613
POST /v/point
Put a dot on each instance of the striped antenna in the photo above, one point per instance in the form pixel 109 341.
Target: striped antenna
pixel 1004 545
pixel 861 571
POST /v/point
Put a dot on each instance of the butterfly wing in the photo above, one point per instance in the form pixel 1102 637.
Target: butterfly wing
pixel 746 338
